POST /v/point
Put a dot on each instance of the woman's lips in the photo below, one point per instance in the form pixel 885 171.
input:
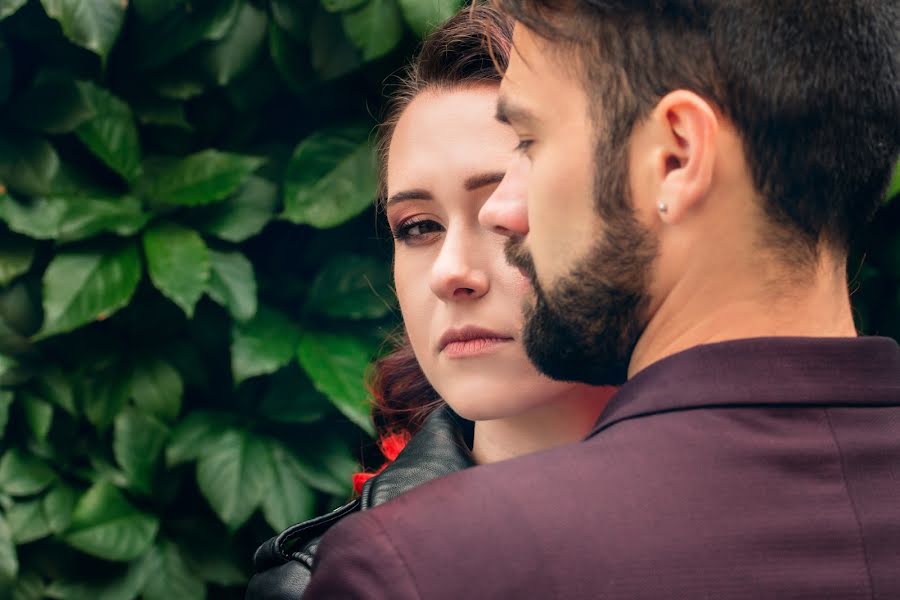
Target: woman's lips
pixel 473 347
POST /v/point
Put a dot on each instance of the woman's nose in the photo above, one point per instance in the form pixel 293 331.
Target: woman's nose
pixel 505 211
pixel 457 274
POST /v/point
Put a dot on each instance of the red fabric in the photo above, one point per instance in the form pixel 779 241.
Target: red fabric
pixel 391 446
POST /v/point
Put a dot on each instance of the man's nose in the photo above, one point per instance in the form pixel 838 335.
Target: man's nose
pixel 457 274
pixel 505 211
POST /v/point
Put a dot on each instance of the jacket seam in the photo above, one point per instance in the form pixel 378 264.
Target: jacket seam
pixel 396 552
pixel 853 508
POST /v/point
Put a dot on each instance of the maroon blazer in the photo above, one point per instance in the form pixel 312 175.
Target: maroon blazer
pixel 754 469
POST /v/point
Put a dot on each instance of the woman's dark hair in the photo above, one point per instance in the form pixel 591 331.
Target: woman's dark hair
pixel 471 48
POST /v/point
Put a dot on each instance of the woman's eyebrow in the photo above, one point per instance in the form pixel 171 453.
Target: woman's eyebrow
pixel 407 195
pixel 478 181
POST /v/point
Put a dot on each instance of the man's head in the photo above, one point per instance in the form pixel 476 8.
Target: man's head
pixel 668 140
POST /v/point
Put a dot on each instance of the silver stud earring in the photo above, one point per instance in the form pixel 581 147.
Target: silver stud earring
pixel 662 207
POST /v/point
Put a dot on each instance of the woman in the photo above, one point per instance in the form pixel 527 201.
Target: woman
pixel 442 154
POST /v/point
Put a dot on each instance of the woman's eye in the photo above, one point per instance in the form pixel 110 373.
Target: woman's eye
pixel 523 146
pixel 416 230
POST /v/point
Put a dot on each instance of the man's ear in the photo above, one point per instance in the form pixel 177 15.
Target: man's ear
pixel 687 128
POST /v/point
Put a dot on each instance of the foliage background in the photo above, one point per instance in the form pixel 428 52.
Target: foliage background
pixel 192 281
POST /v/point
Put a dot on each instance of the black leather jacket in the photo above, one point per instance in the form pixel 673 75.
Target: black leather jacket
pixel 283 564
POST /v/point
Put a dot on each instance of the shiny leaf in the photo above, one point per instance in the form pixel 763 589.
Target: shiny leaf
pixel 28 521
pixel 171 576
pixel 235 52
pixel 375 29
pixel 178 263
pixel 157 389
pixel 27 164
pixel 9 7
pixel 330 178
pixel 232 284
pixel 337 364
pixel 196 435
pixel 424 15
pixel 112 134
pixel 9 562
pixel 81 286
pixel 235 476
pixel 201 178
pixel 138 441
pixel 53 106
pixel 16 255
pixel 106 525
pixel 22 474
pixel 263 344
pixel 242 215
pixel 73 218
pixel 289 500
pixel 92 24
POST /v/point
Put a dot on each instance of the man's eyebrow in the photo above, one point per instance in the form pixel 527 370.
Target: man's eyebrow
pixel 509 113
pixel 479 181
pixel 407 195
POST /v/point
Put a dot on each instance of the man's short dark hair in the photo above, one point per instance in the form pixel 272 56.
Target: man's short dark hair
pixel 812 86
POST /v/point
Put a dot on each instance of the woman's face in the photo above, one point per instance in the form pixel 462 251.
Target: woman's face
pixel 461 302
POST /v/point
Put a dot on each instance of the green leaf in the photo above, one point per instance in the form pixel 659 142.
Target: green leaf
pixel 171 576
pixel 894 187
pixel 234 53
pixel 290 16
pixel 195 436
pixel 157 389
pixel 242 215
pixel 9 563
pixel 106 525
pixel 92 24
pixel 121 586
pixel 375 29
pixel 337 365
pixel 330 178
pixel 232 284
pixel 202 178
pixel 341 5
pixel 112 134
pixel 235 476
pixel 38 416
pixel 28 521
pixel 22 474
pixel 183 27
pixel 29 586
pixel 53 385
pixel 178 262
pixel 27 164
pixel 291 398
pixel 53 106
pixel 16 255
pixel 289 500
pixel 138 441
pixel 263 344
pixel 153 10
pixel 351 286
pixel 6 400
pixel 164 112
pixel 332 54
pixel 68 219
pixel 326 462
pixel 58 504
pixel 9 7
pixel 103 395
pixel 81 286
pixel 424 15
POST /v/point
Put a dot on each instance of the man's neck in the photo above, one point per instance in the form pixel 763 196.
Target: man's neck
pixel 712 309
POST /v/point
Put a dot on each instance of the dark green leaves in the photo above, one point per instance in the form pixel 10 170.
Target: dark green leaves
pixel 111 134
pixel 262 345
pixel 330 178
pixel 157 389
pixel 138 440
pixel 9 562
pixel 178 262
pixel 424 15
pixel 375 28
pixel 74 217
pixel 201 178
pixel 235 476
pixel 9 7
pixel 336 364
pixel 106 525
pixel 92 24
pixel 232 284
pixel 351 286
pixel 171 576
pixel 28 164
pixel 16 255
pixel 81 286
pixel 234 53
pixel 22 474
pixel 244 214
pixel 289 499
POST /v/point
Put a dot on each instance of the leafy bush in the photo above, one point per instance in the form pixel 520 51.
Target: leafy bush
pixel 191 281
pixel 188 296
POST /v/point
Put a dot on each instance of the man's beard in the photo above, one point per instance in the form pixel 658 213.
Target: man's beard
pixel 586 327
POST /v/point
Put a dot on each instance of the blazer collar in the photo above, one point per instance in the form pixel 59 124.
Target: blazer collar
pixel 763 372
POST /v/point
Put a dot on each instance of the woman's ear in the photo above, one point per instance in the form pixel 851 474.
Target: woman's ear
pixel 686 126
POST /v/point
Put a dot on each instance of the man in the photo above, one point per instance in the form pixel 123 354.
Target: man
pixel 690 176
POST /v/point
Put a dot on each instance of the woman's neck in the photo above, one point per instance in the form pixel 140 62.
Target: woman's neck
pixel 562 421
